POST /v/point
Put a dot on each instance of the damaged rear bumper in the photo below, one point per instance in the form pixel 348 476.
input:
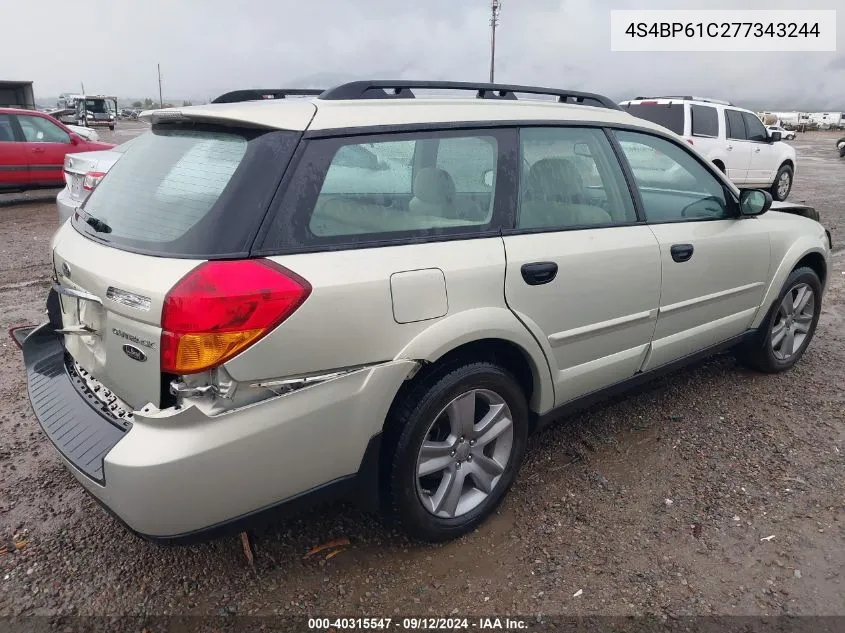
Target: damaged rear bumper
pixel 180 475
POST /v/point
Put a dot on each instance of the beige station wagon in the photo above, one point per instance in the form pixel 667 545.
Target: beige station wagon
pixel 378 294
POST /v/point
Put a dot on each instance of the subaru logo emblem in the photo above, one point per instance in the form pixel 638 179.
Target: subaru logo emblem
pixel 134 353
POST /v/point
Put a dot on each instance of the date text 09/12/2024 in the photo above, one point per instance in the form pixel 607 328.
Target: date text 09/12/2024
pixel 418 624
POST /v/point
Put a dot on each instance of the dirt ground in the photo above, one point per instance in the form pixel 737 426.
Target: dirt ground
pixel 713 491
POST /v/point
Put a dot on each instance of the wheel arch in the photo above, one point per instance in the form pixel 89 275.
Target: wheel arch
pixel 801 254
pixel 490 334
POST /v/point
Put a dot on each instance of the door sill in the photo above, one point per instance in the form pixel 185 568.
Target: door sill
pixel 582 402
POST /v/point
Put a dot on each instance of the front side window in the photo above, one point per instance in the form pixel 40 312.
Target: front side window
pixel 571 179
pixel 416 184
pixel 38 130
pixel 673 185
pixel 754 128
pixel 735 125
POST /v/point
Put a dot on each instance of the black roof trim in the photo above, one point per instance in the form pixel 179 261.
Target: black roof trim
pixel 258 94
pixel 402 89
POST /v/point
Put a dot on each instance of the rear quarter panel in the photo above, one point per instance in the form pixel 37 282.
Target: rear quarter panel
pixel 350 317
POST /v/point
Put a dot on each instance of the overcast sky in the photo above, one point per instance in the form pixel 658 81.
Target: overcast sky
pixel 207 47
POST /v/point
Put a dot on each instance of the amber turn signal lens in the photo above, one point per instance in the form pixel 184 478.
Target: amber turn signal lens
pixel 196 352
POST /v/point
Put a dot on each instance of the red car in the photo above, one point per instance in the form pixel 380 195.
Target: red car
pixel 33 147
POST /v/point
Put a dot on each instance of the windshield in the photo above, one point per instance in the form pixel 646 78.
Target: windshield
pixel 96 105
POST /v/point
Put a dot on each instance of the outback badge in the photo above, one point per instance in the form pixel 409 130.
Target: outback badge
pixel 134 353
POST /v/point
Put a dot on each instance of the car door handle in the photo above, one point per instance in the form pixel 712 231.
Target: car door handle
pixel 730 147
pixel 38 150
pixel 539 273
pixel 681 252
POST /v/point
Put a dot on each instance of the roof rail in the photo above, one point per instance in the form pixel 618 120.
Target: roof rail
pixel 688 98
pixel 402 89
pixel 257 94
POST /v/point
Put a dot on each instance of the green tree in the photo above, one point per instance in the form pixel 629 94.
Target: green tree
pixel 137 104
pixel 148 103
pixel 185 104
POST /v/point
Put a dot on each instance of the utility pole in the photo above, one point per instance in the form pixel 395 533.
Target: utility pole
pixel 84 106
pixel 495 8
pixel 160 99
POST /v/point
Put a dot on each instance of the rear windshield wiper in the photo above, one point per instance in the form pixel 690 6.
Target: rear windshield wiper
pixel 98 225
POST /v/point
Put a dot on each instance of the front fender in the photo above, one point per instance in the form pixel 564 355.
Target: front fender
pixel 485 323
pixel 801 248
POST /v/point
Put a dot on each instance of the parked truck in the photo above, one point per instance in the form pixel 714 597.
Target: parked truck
pixel 17 94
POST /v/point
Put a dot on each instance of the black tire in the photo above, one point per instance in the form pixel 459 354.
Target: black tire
pixel 757 352
pixel 784 169
pixel 408 424
pixel 111 127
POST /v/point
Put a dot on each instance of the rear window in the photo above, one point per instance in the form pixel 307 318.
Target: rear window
pixel 705 121
pixel 670 116
pixel 188 191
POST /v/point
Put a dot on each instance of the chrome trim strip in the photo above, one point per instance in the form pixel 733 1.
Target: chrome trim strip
pixel 561 337
pixel 79 330
pixel 76 294
pixel 681 305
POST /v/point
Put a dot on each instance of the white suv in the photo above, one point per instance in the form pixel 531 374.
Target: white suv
pixel 733 138
pixel 380 295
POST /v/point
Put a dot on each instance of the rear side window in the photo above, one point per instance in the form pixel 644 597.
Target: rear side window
pixel 368 190
pixel 188 191
pixel 571 179
pixel 735 125
pixel 670 116
pixel 7 133
pixel 705 121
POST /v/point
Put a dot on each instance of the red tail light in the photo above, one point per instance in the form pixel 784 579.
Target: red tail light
pixel 92 179
pixel 220 308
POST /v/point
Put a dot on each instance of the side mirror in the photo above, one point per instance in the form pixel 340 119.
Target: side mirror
pixel 488 177
pixel 774 137
pixel 75 139
pixel 754 202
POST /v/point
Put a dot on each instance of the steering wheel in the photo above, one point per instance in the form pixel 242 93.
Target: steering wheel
pixel 718 201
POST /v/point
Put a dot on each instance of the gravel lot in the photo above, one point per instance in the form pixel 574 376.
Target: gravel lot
pixel 713 491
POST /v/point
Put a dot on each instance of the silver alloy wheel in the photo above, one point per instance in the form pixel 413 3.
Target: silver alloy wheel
pixel 783 184
pixel 464 453
pixel 792 321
